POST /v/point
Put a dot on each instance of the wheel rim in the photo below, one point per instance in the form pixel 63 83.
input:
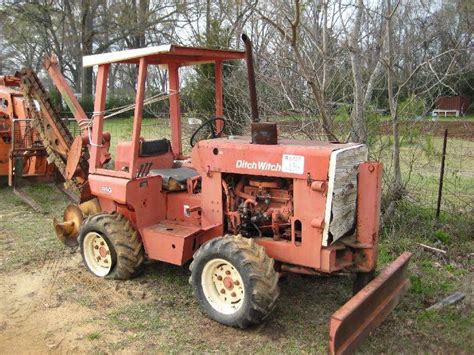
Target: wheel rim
pixel 223 286
pixel 97 254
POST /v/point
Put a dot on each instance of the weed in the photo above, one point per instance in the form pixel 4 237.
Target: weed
pixel 442 236
pixel 416 286
pixel 453 325
pixel 94 335
pixel 138 317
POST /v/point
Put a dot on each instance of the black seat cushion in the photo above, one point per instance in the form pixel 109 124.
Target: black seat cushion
pixel 154 147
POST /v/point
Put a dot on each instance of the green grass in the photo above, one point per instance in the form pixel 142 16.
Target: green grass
pixel 461 118
pixel 121 130
pixel 94 335
pixel 27 237
pixel 136 317
pixel 421 163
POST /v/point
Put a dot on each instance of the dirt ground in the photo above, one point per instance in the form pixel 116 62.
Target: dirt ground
pixel 51 304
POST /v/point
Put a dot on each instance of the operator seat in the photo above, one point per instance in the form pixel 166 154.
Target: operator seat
pixel 154 147
pixel 174 179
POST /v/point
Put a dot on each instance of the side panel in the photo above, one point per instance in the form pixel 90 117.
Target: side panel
pixel 141 197
pixel 175 243
pixel 4 157
pixel 240 157
pixel 309 208
pixel 109 188
pixel 211 203
pixel 147 201
pixel 176 203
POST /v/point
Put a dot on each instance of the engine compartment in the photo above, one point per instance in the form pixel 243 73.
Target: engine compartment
pixel 258 206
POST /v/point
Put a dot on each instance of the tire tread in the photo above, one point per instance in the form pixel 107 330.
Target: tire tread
pixel 260 268
pixel 128 247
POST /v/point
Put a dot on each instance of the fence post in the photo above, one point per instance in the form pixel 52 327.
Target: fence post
pixel 441 174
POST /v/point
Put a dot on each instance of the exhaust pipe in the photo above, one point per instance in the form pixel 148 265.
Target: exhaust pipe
pixel 251 78
pixel 262 132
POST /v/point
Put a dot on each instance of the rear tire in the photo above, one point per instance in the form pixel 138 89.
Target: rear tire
pixel 110 247
pixel 234 281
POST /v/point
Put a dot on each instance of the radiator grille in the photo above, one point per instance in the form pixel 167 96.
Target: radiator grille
pixel 341 203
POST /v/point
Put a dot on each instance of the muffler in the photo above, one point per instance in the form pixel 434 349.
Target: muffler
pixel 262 132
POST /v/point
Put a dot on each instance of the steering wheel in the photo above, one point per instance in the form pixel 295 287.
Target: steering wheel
pixel 213 132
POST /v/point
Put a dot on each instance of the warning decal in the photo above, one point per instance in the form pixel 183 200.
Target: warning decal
pixel 293 164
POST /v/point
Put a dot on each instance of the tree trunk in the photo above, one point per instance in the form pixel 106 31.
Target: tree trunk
pixel 87 45
pixel 396 189
pixel 324 34
pixel 208 21
pixel 359 123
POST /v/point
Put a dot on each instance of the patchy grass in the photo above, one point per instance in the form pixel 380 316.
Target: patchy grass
pixel 433 277
pixel 136 317
pixel 94 335
pixel 26 235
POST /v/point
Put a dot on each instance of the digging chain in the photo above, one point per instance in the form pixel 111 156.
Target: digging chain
pixel 33 90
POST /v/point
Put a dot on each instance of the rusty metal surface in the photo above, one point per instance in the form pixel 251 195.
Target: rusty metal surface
pixel 74 158
pixel 9 80
pixel 369 194
pixel 68 230
pixel 54 134
pixel 22 195
pixel 51 65
pixel 351 323
pixel 264 133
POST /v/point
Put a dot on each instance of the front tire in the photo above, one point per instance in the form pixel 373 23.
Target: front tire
pixel 110 247
pixel 234 281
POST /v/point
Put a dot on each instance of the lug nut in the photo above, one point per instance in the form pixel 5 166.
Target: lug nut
pixel 236 283
pixel 96 247
pixel 227 272
pixel 222 291
pixel 219 278
pixel 233 294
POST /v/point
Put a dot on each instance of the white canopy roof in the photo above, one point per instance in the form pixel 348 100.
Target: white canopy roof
pixel 163 54
pixel 113 57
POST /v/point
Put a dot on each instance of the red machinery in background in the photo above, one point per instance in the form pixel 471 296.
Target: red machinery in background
pixel 21 150
pixel 35 142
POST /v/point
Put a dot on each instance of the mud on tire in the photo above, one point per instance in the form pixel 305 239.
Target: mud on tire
pixel 124 245
pixel 255 269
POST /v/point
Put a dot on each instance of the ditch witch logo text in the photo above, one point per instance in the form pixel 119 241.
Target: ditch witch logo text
pixel 258 165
